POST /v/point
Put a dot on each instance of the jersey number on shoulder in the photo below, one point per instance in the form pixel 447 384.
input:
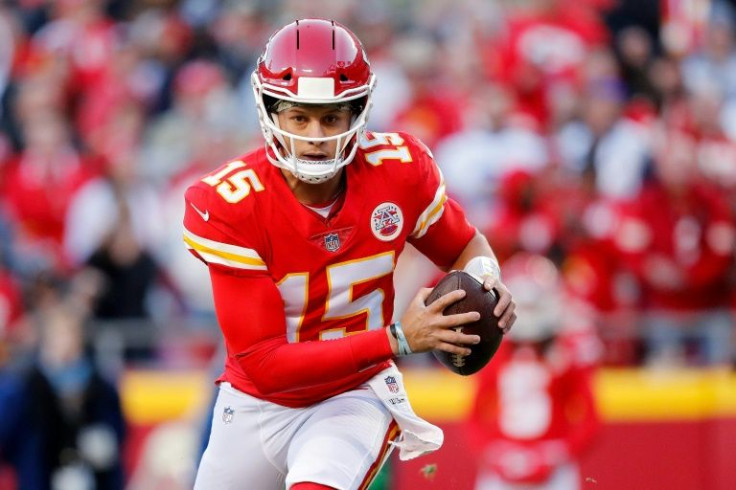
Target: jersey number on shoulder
pixel 233 188
pixel 376 157
pixel 342 278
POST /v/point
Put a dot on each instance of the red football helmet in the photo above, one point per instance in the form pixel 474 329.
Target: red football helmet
pixel 312 61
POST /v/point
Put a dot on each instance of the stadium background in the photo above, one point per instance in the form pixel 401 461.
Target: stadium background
pixel 548 118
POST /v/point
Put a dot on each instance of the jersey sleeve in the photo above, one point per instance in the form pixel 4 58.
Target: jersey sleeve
pixel 441 230
pixel 223 235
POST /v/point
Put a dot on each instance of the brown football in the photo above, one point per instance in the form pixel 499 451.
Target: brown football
pixel 476 299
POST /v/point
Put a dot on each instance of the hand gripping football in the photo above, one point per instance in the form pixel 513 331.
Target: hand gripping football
pixel 476 299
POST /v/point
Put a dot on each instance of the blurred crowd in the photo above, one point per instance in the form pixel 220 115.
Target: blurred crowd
pixel 600 134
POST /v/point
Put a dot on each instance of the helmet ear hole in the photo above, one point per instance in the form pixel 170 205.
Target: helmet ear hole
pixel 358 105
pixel 287 77
pixel 343 77
pixel 269 102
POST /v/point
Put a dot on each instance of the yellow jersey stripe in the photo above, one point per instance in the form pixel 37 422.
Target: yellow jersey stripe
pixel 218 256
pixel 222 247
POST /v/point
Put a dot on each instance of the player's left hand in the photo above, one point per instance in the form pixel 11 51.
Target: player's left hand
pixel 505 308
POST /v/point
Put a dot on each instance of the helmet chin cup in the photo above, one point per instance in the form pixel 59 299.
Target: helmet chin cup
pixel 330 170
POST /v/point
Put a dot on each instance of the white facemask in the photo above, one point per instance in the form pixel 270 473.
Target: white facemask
pixel 280 143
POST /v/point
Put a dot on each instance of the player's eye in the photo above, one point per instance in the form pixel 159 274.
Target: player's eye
pixel 332 119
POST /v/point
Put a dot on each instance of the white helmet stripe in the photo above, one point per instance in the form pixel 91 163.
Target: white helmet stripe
pixel 316 88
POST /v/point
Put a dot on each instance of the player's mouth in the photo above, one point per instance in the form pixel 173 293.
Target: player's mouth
pixel 314 157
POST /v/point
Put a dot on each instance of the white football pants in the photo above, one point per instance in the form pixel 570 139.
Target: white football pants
pixel 254 444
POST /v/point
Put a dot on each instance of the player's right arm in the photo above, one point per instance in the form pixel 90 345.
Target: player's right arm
pixel 250 312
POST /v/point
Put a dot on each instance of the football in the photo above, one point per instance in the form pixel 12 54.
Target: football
pixel 476 299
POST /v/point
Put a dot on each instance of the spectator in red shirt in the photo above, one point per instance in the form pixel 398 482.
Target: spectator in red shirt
pixel 40 184
pixel 524 220
pixel 677 236
pixel 543 48
pixel 434 111
pixel 82 35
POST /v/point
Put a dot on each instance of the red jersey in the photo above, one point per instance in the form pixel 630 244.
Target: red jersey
pixel 538 50
pixel 555 41
pixel 38 190
pixel 535 410
pixel 693 233
pixel 432 116
pixel 287 281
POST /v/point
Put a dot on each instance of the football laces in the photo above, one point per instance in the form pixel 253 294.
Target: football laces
pixel 458 360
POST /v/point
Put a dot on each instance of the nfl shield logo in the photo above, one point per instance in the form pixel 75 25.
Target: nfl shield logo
pixel 393 386
pixel 332 242
pixel 227 415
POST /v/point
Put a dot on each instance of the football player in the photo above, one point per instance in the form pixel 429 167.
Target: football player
pixel 301 238
pixel 534 412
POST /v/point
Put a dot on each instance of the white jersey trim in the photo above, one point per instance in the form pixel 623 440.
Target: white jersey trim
pixel 433 212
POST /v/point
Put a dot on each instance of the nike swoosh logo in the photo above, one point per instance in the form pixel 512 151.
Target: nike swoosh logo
pixel 205 215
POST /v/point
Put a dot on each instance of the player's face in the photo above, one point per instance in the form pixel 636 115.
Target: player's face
pixel 314 122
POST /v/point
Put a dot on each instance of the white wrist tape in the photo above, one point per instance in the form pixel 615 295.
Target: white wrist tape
pixel 483 266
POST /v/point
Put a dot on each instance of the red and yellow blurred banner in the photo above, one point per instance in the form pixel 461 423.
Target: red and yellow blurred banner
pixel 673 429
